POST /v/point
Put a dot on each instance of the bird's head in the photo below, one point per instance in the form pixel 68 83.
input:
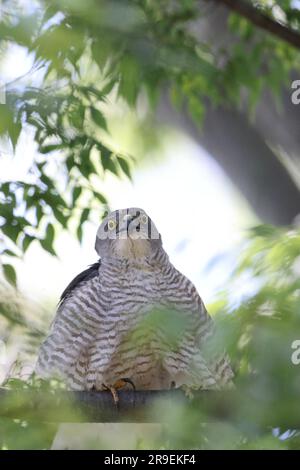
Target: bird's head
pixel 127 234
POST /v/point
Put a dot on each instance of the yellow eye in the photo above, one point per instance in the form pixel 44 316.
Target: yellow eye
pixel 144 219
pixel 111 224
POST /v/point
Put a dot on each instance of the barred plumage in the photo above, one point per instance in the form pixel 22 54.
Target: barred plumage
pixel 100 333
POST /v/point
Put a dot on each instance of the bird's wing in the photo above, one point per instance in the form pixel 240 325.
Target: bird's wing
pixel 211 364
pixel 86 275
pixel 63 353
pixel 217 359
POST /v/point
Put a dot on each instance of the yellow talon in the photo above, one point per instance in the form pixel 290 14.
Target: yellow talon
pixel 118 385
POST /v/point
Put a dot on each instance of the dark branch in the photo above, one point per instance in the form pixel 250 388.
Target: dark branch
pixel 261 20
pixel 139 406
pixel 98 407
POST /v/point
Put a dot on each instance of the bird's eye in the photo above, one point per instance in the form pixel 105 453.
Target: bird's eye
pixel 111 224
pixel 144 219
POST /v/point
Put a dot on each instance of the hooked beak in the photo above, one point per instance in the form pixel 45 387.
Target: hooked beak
pixel 124 226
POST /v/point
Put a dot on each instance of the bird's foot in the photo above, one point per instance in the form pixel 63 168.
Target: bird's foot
pixel 188 391
pixel 118 385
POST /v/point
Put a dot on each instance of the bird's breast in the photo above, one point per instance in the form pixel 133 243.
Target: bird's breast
pixel 126 299
pixel 131 289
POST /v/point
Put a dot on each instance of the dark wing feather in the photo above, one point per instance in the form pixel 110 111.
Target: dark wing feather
pixel 87 274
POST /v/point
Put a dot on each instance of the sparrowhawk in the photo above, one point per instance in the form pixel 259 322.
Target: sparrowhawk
pixel 105 331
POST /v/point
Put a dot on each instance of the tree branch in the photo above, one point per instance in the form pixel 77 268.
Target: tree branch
pixel 261 20
pixel 99 407
pixel 141 406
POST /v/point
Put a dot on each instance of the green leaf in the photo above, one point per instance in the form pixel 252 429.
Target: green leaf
pixel 84 215
pixel 14 133
pixel 70 162
pixel 130 80
pixel 83 218
pixel 50 232
pixel 50 148
pixel 196 109
pixel 8 253
pixel 108 87
pixel 26 242
pixel 100 197
pixel 76 194
pixel 60 216
pixel 10 274
pixel 100 51
pixel 47 247
pixel 76 116
pixel 47 242
pixel 125 167
pixel 84 163
pixel 11 231
pixel 107 160
pixel 264 230
pixel 79 233
pixel 39 213
pixel 89 91
pixel 98 118
pixel 8 124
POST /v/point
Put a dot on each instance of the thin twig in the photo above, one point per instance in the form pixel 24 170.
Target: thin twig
pixel 32 70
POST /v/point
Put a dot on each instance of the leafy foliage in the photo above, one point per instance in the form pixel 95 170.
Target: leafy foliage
pixel 85 54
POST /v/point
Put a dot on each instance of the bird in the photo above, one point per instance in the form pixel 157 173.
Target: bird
pixel 132 319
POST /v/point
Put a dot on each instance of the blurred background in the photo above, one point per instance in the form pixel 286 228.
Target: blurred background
pixel 189 110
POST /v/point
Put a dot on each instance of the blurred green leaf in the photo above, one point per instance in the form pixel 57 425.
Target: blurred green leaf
pixel 98 118
pixel 26 242
pixel 10 274
pixel 76 194
pixel 107 159
pixel 9 253
pixel 47 242
pixel 100 197
pixel 125 166
pixel 83 218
